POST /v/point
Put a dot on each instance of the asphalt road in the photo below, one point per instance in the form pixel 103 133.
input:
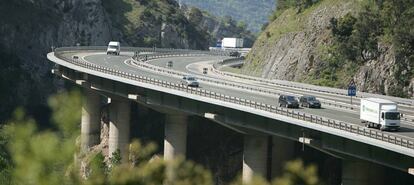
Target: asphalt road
pixel 181 64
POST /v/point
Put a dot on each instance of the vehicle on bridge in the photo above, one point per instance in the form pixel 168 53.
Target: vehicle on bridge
pixel 234 54
pixel 113 48
pixel 309 101
pixel 380 113
pixel 190 81
pixel 288 101
pixel 170 64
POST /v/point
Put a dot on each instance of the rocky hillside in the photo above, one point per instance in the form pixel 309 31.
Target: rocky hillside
pixel 215 28
pixel 30 28
pixel 253 13
pixel 330 42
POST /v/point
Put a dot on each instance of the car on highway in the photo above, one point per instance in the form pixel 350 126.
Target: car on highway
pixel 205 70
pixel 169 64
pixel 190 81
pixel 309 101
pixel 114 48
pixel 234 54
pixel 288 101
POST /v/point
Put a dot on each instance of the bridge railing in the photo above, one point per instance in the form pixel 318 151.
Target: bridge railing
pixel 331 103
pixel 312 119
pixel 309 87
pixel 137 50
pixel 229 83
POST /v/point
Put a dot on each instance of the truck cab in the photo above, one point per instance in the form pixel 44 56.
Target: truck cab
pixel 114 48
pixel 390 120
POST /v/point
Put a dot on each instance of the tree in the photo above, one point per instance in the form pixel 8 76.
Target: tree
pixel 47 157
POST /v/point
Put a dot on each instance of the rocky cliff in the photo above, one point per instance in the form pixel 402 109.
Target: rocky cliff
pixel 30 28
pixel 297 46
pixel 216 28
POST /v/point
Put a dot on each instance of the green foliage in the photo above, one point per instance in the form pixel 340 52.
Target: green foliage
pixel 52 157
pixel 283 5
pixel 358 38
pixel 254 14
pixel 116 158
pixel 44 157
pixel 297 173
pixel 228 27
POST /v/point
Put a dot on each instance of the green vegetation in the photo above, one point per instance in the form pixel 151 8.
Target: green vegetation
pixel 206 24
pixel 31 156
pixel 372 30
pixel 253 13
pixel 299 5
pixel 287 19
pixel 138 19
pixel 360 38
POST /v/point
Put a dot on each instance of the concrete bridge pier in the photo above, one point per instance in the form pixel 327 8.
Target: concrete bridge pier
pixel 254 157
pixel 91 120
pixel 283 150
pixel 175 137
pixel 357 172
pixel 119 127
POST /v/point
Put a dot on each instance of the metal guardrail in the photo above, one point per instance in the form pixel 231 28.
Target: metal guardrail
pixel 374 134
pixel 225 83
pixel 137 50
pixel 402 101
pixel 216 67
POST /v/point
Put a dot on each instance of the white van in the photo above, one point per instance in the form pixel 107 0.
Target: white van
pixel 113 48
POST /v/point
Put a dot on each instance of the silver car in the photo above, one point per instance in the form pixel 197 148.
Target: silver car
pixel 190 81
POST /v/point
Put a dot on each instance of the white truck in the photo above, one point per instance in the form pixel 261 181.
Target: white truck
pixel 232 43
pixel 380 113
pixel 113 48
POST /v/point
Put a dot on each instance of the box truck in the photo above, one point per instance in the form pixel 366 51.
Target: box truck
pixel 380 113
pixel 113 48
pixel 232 43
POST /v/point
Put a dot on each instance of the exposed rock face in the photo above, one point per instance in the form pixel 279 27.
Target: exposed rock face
pixel 217 28
pixel 30 28
pixel 85 22
pixel 296 54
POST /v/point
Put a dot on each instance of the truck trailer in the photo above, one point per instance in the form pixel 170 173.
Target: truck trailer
pixel 380 113
pixel 232 43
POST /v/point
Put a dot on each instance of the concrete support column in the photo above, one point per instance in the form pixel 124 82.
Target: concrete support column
pixel 282 151
pixel 90 121
pixel 175 140
pixel 119 127
pixel 254 157
pixel 355 172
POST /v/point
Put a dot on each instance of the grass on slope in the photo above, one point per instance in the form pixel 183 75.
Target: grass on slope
pixel 288 21
pixel 124 14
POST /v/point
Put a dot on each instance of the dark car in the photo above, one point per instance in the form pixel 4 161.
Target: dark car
pixel 169 64
pixel 234 54
pixel 288 101
pixel 309 101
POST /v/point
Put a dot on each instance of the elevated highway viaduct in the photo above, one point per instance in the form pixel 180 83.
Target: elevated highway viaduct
pixel 246 106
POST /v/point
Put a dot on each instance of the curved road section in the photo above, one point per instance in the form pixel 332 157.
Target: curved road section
pixel 229 92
